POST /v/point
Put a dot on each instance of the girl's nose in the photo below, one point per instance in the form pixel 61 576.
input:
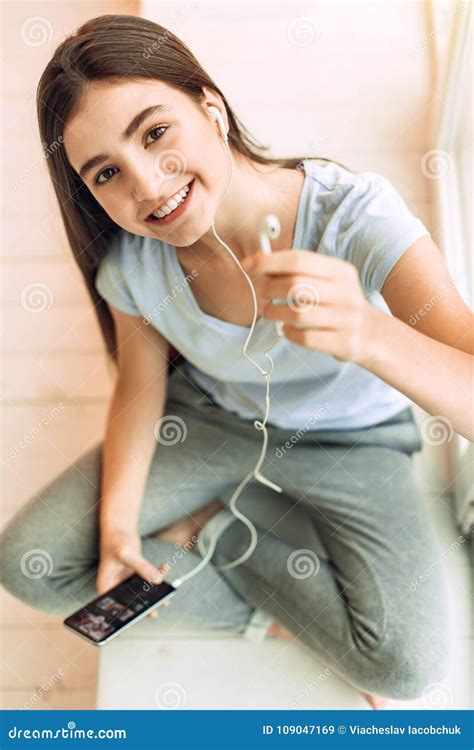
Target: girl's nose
pixel 145 189
pixel 146 184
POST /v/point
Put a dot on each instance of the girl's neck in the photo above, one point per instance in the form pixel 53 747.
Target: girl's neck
pixel 252 195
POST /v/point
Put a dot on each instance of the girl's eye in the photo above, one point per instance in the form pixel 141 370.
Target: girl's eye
pixel 157 127
pixel 98 181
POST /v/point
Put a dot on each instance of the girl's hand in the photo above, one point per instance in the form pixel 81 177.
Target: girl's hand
pixel 120 556
pixel 325 309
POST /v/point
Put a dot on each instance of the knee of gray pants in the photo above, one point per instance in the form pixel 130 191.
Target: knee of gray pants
pixel 29 573
pixel 412 657
pixel 23 581
pixel 404 667
pixel 405 660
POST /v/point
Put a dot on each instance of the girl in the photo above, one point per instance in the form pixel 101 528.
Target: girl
pixel 140 175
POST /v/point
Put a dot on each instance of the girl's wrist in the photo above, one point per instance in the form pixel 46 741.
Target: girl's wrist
pixel 371 337
pixel 112 545
pixel 115 518
pixel 111 530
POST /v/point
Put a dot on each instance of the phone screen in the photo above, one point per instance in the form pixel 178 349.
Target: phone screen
pixel 117 608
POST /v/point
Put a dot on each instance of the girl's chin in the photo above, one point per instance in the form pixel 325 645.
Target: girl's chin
pixel 185 235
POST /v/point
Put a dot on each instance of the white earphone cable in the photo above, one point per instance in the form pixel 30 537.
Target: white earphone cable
pixel 257 423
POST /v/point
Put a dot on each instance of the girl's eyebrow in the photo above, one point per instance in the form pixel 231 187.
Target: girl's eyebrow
pixel 126 135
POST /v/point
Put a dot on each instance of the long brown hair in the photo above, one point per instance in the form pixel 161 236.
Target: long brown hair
pixel 117 48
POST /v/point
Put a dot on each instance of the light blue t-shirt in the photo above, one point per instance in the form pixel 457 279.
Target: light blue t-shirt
pixel 357 217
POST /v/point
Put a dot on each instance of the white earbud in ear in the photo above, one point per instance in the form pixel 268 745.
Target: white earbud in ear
pixel 218 118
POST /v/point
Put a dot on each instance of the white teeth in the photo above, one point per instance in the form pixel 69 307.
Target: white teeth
pixel 173 203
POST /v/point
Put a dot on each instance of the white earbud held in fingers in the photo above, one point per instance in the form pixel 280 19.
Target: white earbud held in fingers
pixel 270 230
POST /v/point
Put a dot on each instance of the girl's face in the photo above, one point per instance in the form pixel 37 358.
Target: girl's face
pixel 134 162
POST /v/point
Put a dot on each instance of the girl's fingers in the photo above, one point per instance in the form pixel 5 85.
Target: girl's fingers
pixel 305 262
pixel 156 612
pixel 143 567
pixel 312 317
pixel 294 287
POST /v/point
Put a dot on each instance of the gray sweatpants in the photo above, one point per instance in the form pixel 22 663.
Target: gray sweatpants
pixel 346 555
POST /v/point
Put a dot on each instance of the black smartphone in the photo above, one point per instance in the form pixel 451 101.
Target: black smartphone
pixel 118 608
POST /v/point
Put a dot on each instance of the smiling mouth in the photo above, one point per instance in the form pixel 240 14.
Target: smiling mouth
pixel 173 208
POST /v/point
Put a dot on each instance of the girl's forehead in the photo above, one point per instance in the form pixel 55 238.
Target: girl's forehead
pixel 104 101
pixel 124 92
pixel 108 109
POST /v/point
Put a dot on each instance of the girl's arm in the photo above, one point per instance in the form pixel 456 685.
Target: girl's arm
pixel 137 404
pixel 426 350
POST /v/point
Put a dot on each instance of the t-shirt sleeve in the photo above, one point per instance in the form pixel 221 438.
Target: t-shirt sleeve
pixel 111 283
pixel 374 227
